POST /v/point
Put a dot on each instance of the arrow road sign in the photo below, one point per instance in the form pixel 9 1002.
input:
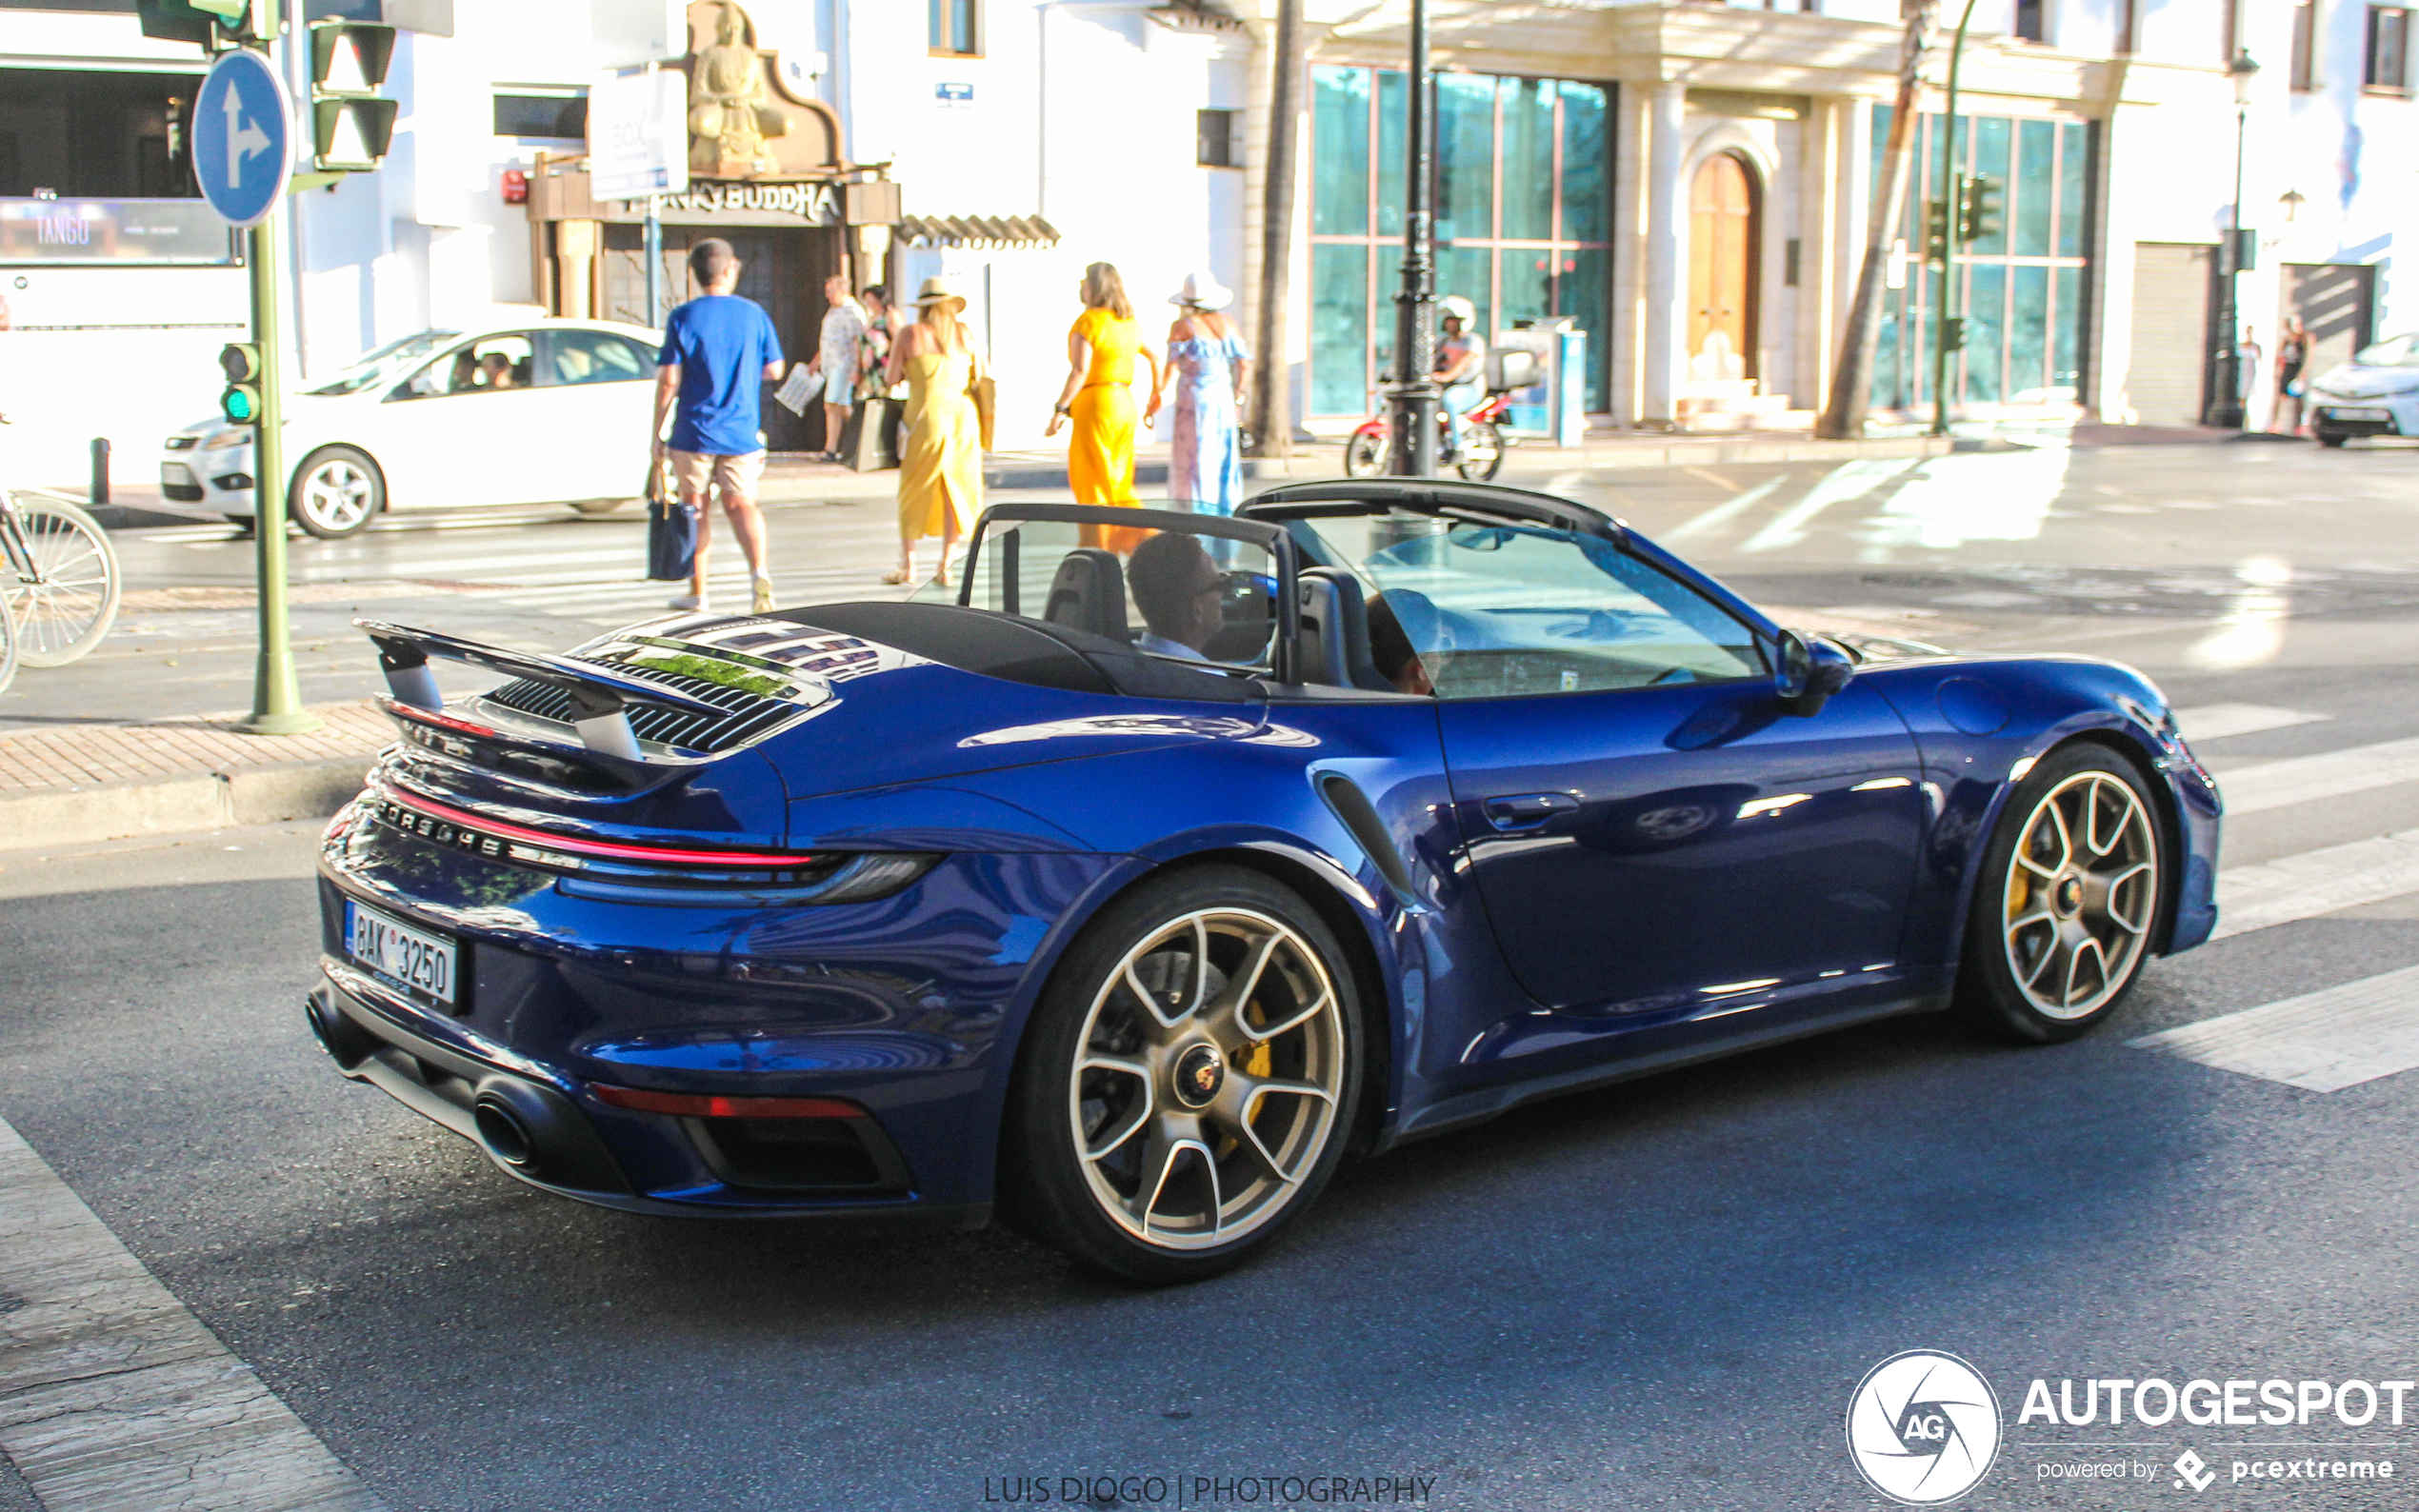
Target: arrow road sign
pixel 243 127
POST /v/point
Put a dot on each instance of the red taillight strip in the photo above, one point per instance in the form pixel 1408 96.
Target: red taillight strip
pixel 480 824
pixel 685 1104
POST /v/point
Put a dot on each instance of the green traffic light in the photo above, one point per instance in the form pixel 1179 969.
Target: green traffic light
pixel 241 405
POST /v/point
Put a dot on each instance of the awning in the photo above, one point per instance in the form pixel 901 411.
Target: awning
pixel 977 230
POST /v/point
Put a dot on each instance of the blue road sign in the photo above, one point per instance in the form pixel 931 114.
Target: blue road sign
pixel 243 127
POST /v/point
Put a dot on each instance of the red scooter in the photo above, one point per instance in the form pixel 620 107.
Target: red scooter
pixel 1477 459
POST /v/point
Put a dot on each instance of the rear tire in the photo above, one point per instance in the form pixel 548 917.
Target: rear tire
pixel 2332 438
pixel 2067 899
pixel 336 492
pixel 1482 451
pixel 1365 455
pixel 1173 1136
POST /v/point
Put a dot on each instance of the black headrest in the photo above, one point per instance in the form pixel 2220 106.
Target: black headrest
pixel 1335 631
pixel 1088 592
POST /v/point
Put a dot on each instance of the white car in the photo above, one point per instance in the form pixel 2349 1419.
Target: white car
pixel 2375 394
pixel 541 412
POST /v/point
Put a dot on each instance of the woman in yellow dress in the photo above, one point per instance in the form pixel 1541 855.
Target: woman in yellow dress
pixel 941 468
pixel 1098 397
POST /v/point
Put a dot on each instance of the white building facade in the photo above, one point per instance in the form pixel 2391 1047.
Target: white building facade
pixel 1690 183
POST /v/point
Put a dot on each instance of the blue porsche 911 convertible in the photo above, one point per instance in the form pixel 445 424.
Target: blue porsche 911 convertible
pixel 1127 888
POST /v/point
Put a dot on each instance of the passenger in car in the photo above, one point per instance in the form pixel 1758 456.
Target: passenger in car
pixel 1180 592
pixel 1390 644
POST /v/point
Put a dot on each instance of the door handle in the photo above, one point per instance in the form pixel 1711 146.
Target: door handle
pixel 1528 811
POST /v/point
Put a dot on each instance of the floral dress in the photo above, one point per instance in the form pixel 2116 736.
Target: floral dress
pixel 1204 457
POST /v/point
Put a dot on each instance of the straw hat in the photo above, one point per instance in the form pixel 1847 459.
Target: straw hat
pixel 937 292
pixel 1202 291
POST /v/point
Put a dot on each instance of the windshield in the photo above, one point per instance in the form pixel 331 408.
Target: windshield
pixel 2394 352
pixel 1173 594
pixel 1490 612
pixel 386 362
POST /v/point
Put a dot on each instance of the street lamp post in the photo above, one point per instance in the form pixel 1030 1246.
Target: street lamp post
pixel 1413 398
pixel 1945 327
pixel 2226 390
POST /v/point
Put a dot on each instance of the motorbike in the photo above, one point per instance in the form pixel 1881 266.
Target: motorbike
pixel 1478 458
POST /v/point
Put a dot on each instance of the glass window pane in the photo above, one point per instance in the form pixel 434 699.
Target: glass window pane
pixel 1508 610
pixel 1465 156
pixel 1887 390
pixel 1528 159
pixel 1339 329
pixel 1527 286
pixel 1993 139
pixel 2067 373
pixel 2073 174
pixel 2027 334
pixel 1390 152
pixel 1582 290
pixel 1586 195
pixel 1986 321
pixel 1469 272
pixel 1340 151
pixel 2036 154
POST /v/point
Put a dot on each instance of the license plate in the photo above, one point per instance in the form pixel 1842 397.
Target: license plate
pixel 178 474
pixel 2359 415
pixel 399 952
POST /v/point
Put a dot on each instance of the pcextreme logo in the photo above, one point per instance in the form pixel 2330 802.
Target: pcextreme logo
pixel 1923 1427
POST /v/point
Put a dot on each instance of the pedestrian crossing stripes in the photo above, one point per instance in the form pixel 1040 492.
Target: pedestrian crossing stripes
pixel 2330 774
pixel 2224 721
pixel 2323 1042
pixel 2316 882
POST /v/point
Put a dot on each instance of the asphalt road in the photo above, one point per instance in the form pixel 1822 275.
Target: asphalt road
pixel 1660 1295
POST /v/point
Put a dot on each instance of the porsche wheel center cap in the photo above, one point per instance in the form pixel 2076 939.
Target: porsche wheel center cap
pixel 1199 1072
pixel 2068 897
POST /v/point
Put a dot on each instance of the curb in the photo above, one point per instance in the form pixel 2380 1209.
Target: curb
pixel 261 794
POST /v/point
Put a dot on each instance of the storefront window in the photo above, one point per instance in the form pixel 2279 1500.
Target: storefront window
pixel 1523 215
pixel 2020 289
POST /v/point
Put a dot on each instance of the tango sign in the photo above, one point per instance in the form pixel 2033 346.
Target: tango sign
pixel 815 204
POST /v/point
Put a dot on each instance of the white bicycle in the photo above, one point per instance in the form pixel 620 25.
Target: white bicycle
pixel 59 581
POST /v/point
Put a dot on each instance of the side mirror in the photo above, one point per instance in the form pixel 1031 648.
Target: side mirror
pixel 1806 671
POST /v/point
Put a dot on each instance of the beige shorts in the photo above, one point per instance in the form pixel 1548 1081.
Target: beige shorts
pixel 735 476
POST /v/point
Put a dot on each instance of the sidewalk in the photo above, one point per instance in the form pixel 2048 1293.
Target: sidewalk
pixel 85 782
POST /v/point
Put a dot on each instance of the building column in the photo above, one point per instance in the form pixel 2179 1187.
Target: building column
pixel 1851 226
pixel 1666 205
pixel 576 244
pixel 1628 311
pixel 1822 192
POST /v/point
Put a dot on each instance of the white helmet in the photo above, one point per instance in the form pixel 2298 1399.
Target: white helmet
pixel 1454 307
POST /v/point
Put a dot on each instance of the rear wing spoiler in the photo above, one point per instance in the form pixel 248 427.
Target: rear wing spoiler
pixel 600 695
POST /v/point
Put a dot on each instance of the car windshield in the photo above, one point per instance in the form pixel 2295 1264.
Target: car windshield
pixel 1175 594
pixel 1500 610
pixel 386 362
pixel 2394 352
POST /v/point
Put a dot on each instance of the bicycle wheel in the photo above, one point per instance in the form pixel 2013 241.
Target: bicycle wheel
pixel 8 650
pixel 61 579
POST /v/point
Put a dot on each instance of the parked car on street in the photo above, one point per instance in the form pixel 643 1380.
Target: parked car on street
pixel 2375 394
pixel 539 412
pixel 1408 802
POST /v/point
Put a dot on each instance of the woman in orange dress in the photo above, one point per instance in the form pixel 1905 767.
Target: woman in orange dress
pixel 1098 397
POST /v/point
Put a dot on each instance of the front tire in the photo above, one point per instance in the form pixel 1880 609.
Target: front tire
pixel 1365 454
pixel 2066 902
pixel 1188 1079
pixel 2332 438
pixel 336 492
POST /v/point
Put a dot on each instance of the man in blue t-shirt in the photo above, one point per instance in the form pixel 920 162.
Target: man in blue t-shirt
pixel 717 350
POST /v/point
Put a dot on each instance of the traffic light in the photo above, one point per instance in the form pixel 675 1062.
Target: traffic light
pixel 351 124
pixel 1977 209
pixel 1935 230
pixel 204 22
pixel 240 404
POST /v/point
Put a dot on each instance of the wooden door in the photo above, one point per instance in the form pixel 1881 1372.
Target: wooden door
pixel 1723 237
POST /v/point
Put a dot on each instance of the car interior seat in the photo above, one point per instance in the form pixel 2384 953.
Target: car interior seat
pixel 1089 593
pixel 1335 631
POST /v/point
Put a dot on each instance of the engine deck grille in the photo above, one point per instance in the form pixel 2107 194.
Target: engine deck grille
pixel 747 715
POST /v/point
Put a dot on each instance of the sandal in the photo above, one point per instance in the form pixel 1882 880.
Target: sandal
pixel 895 576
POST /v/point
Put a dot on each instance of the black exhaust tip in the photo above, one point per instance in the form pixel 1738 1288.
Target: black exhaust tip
pixel 535 1131
pixel 506 1137
pixel 346 1042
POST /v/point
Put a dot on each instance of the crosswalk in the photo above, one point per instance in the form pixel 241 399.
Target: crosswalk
pixel 2345 1035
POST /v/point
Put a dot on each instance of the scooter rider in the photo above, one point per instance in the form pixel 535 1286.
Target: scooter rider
pixel 1461 363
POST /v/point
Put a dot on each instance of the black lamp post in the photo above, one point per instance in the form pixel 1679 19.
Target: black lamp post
pixel 1411 399
pixel 2225 392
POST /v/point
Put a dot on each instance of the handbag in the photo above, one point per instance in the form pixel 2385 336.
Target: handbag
pixel 985 396
pixel 671 530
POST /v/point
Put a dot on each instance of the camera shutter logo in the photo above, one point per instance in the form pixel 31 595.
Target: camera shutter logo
pixel 1923 1427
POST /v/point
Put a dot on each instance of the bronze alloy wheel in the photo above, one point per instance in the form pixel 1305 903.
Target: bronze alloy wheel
pixel 1186 1081
pixel 2082 890
pixel 2068 897
pixel 1211 1067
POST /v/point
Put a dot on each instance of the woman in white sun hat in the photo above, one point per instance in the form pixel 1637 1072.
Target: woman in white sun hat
pixel 1208 367
pixel 941 465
